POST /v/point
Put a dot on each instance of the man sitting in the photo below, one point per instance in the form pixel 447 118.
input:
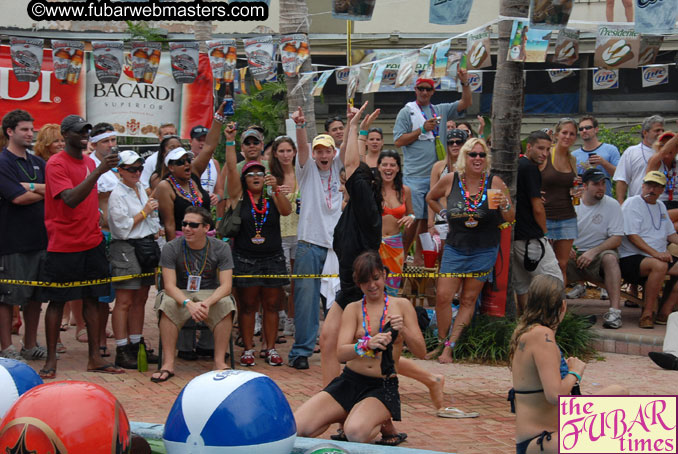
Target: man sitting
pixel 643 251
pixel 197 273
pixel 593 256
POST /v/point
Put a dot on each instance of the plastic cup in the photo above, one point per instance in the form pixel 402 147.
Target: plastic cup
pixel 492 201
pixel 430 258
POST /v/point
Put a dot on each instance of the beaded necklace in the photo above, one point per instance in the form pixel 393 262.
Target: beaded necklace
pixel 189 271
pixel 35 172
pixel 366 316
pixel 473 202
pixel 656 227
pixel 328 194
pixel 258 221
pixel 193 197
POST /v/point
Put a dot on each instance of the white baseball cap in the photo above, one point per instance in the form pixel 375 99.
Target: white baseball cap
pixel 129 157
pixel 176 154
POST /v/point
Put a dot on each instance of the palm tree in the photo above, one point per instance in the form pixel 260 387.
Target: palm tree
pixel 293 19
pixel 507 111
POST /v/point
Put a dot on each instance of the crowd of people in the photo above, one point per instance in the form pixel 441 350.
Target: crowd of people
pixel 75 208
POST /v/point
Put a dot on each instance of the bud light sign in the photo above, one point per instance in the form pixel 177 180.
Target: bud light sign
pixel 605 79
pixel 655 75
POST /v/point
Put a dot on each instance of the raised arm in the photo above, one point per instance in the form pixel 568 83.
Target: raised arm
pixel 302 140
pixel 200 163
pixel 352 157
pixel 465 101
pixel 234 187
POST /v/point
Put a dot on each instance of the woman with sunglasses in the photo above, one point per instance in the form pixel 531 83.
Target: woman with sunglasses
pixel 257 248
pixel 559 183
pixel 130 217
pixel 477 205
pixel 167 144
pixel 283 157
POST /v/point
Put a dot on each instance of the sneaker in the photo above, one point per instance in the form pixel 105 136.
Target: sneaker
pixel 257 324
pixel 12 353
pixel 35 353
pixel 282 317
pixel 289 327
pixel 603 294
pixel 612 319
pixel 273 358
pixel 247 358
pixel 576 292
pixel 300 362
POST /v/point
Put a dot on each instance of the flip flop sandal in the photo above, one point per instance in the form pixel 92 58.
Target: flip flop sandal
pixel 281 340
pixel 392 440
pixel 339 436
pixel 107 369
pixel 81 336
pixel 47 374
pixel 64 327
pixel 162 378
pixel 452 412
pixel 103 351
pixel 61 348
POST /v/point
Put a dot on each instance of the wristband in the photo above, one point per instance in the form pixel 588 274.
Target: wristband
pixel 506 208
pixel 465 84
pixel 220 118
pixel 220 219
pixel 362 132
pixel 300 125
pixel 230 143
pixel 412 216
pixel 362 349
pixel 443 213
pixel 219 197
pixel 575 374
pixel 143 213
pixel 186 301
pixel 32 186
pixel 423 131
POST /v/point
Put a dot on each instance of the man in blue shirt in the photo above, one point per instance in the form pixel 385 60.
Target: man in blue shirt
pixel 594 153
pixel 416 128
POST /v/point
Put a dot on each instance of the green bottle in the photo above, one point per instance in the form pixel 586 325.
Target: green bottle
pixel 441 153
pixel 142 360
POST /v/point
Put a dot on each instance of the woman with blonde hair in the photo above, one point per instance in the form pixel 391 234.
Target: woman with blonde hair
pixel 540 373
pixel 49 141
pixel 472 244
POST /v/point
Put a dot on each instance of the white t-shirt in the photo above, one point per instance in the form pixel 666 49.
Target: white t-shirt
pixel 631 167
pixel 208 179
pixel 650 222
pixel 108 181
pixel 598 222
pixel 320 202
pixel 149 168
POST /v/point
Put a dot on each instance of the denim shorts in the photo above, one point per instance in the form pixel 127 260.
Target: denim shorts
pixel 419 187
pixel 561 230
pixel 258 266
pixel 469 261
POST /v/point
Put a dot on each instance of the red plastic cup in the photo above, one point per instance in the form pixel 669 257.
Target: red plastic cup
pixel 430 258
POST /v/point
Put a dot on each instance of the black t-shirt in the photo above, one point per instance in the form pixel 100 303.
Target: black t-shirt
pixel 22 227
pixel 180 204
pixel 528 187
pixel 270 230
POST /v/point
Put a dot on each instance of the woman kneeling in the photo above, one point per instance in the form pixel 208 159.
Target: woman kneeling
pixel 365 395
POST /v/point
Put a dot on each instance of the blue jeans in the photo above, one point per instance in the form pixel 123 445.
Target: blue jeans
pixel 309 259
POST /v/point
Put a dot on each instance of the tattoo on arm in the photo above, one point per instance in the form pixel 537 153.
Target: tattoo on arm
pixel 547 338
pixel 521 346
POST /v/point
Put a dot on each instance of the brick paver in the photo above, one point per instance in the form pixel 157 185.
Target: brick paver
pixel 471 387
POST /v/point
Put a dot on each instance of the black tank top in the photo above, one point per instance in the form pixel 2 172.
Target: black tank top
pixel 180 204
pixel 485 235
pixel 242 243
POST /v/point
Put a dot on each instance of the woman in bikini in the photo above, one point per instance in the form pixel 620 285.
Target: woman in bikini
pixel 365 396
pixel 540 374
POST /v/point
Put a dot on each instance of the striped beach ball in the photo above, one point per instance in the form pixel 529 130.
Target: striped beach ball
pixel 15 379
pixel 231 411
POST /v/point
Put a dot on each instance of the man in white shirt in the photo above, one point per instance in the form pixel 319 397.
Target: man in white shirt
pixel 593 256
pixel 643 251
pixel 318 179
pixel 633 162
pixel 164 130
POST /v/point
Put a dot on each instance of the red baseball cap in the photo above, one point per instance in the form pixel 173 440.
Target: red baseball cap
pixel 251 164
pixel 668 135
pixel 423 80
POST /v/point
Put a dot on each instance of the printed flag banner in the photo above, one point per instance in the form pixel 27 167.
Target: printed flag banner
pixel 449 12
pixel 605 79
pixel 475 80
pixel 649 49
pixel 527 45
pixel 26 58
pixel 616 47
pixel 374 79
pixel 478 49
pixel 438 59
pixel 261 57
pixel 223 58
pixel 294 51
pixel 454 58
pixel 353 80
pixel 550 14
pixel 353 9
pixel 320 84
pixel 145 59
pixel 68 57
pixel 184 57
pixel 406 71
pixel 559 74
pixel 655 75
pixel 567 47
pixel 656 17
pixel 341 75
pixel 109 57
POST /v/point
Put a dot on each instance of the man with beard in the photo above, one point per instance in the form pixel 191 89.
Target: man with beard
pixel 76 249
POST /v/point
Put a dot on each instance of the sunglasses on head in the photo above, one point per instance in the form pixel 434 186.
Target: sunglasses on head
pixel 254 174
pixel 424 88
pixel 585 128
pixel 375 130
pixel 193 225
pixel 455 142
pixel 134 169
pixel 473 154
pixel 252 142
pixel 181 162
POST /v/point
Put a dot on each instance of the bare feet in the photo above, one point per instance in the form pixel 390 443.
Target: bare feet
pixel 446 356
pixel 436 390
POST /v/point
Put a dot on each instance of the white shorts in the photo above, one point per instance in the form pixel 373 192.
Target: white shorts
pixel 547 265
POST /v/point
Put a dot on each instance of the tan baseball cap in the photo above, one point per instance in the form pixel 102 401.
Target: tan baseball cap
pixel 655 177
pixel 325 140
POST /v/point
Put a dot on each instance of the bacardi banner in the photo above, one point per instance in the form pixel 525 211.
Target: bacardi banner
pixel 46 99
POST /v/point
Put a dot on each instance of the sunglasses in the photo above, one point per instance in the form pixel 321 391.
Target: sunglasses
pixel 200 131
pixel 252 142
pixel 254 174
pixel 193 225
pixel 585 128
pixel 181 162
pixel 424 88
pixel 473 154
pixel 455 142
pixel 135 169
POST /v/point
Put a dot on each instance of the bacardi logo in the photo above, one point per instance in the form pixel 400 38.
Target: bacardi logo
pixel 23 91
